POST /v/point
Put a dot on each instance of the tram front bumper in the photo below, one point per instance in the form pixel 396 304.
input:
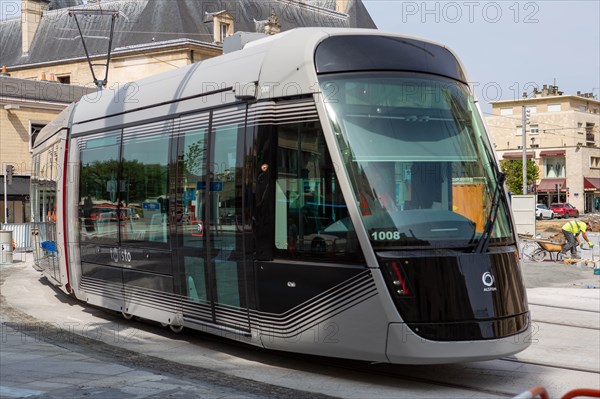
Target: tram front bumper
pixel 405 347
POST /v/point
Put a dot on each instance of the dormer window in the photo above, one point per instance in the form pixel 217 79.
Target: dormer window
pixel 223 25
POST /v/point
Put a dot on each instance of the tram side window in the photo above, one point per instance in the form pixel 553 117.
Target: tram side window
pixel 144 188
pixel 98 193
pixel 311 217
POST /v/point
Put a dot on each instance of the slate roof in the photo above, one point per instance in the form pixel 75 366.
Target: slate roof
pixel 58 4
pixel 148 21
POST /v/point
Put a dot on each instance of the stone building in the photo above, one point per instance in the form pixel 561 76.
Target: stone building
pixel 562 137
pixel 43 43
pixel 25 107
pixel 150 36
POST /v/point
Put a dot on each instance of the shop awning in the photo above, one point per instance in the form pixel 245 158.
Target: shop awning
pixel 553 153
pixel 591 183
pixel 518 155
pixel 548 185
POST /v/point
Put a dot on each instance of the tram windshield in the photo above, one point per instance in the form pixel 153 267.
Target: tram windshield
pixel 418 159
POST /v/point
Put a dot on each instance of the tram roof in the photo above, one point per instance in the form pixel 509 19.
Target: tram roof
pixel 280 66
pixel 55 126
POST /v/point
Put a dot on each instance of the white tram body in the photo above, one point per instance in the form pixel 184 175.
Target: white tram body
pixel 322 191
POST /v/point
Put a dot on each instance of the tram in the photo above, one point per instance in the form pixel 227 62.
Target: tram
pixel 321 191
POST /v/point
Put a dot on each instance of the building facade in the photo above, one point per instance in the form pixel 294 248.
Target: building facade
pixel 562 137
pixel 149 36
pixel 43 53
pixel 25 107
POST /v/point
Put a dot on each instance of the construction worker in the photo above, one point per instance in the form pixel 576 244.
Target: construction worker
pixel 571 231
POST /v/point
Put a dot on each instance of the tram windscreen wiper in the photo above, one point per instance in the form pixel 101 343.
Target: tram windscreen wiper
pixel 484 241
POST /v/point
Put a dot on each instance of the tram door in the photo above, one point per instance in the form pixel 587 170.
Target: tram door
pixel 209 212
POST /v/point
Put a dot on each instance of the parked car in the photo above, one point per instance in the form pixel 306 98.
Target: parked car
pixel 543 212
pixel 564 210
pixel 338 237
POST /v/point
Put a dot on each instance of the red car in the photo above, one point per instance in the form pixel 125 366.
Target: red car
pixel 562 210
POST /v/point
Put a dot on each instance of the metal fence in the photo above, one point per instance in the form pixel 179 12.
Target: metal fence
pixel 21 235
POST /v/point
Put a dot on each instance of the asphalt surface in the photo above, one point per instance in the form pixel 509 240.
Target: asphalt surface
pixel 53 346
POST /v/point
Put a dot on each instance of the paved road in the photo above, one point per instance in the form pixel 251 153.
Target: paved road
pixel 55 347
pixel 66 350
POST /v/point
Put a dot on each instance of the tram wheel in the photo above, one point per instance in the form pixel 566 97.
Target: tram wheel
pixel 175 329
pixel 127 316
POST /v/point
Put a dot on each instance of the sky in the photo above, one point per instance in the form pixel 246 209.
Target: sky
pixel 507 47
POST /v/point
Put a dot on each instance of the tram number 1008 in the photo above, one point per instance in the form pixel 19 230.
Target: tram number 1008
pixel 385 235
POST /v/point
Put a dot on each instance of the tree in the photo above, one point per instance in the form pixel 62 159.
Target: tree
pixel 513 169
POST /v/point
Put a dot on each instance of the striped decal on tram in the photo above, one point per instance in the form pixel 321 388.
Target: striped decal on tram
pixel 317 310
pixel 271 112
pixel 148 131
pixel 131 294
pixel 286 325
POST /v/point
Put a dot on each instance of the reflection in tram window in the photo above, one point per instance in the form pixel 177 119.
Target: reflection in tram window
pixel 413 147
pixel 98 188
pixel 124 187
pixel 144 188
pixel 311 217
pixel 209 207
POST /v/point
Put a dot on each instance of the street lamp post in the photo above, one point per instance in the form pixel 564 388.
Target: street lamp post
pixel 524 121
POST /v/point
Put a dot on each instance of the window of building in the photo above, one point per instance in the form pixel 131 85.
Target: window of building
pixel 582 108
pixel 506 111
pixel 534 129
pixel 224 30
pixel 532 109
pixel 64 79
pixel 34 130
pixel 554 167
pixel 519 131
pixel 595 162
pixel 553 107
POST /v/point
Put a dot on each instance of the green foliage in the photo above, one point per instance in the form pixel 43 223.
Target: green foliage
pixel 513 169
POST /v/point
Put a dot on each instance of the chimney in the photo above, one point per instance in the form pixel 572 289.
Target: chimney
pixel 342 6
pixel 31 16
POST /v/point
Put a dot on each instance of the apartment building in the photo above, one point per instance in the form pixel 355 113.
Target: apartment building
pixel 563 139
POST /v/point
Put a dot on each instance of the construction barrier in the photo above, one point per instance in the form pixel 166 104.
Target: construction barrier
pixel 21 235
pixel 6 247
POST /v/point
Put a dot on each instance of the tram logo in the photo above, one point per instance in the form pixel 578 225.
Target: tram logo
pixel 488 280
